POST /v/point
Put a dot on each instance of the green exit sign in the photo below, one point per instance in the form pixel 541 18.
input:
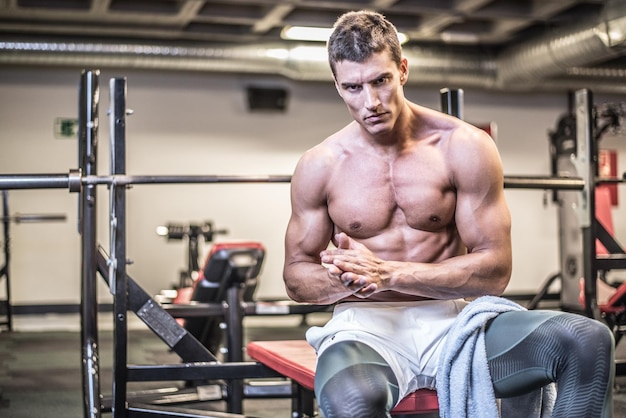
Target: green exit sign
pixel 66 128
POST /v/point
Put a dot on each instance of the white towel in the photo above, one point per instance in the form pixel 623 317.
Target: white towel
pixel 464 386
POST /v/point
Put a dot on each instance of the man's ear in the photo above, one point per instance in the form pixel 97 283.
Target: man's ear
pixel 404 70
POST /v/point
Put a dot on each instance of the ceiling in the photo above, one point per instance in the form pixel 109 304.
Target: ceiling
pixel 488 22
pixel 494 44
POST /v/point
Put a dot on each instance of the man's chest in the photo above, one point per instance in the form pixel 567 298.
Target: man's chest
pixel 365 206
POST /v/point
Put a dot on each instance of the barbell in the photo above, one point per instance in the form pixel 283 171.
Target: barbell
pixel 74 180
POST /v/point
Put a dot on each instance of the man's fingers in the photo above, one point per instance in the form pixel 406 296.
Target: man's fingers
pixel 334 270
pixel 343 241
pixel 353 281
pixel 367 291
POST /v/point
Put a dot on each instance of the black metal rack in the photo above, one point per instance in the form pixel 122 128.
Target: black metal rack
pixel 6 319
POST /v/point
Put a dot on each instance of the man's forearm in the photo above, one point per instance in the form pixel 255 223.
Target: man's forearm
pixel 311 283
pixel 468 275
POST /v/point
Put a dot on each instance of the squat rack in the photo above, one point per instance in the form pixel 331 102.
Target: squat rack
pixel 199 363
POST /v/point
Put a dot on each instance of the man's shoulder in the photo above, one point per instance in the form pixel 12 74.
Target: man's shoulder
pixel 333 146
pixel 318 158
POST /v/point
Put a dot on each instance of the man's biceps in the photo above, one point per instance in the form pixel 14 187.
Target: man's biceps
pixel 479 234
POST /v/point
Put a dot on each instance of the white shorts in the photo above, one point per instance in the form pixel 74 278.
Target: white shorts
pixel 408 335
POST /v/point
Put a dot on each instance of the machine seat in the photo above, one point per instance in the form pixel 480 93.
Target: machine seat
pixel 228 264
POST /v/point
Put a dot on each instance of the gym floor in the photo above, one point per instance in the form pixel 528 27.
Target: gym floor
pixel 40 365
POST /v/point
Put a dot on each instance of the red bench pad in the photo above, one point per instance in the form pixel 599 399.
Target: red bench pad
pixel 296 360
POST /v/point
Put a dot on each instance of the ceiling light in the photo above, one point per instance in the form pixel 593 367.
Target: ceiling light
pixel 459 38
pixel 310 33
pixel 304 33
pixel 309 53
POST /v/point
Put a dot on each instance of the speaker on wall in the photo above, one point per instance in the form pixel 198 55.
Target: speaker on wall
pixel 267 99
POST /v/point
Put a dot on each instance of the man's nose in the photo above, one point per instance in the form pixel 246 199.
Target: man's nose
pixel 372 101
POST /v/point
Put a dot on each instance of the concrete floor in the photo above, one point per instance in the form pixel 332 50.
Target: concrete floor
pixel 40 365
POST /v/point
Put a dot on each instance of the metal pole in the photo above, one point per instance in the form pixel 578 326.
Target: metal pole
pixel 118 280
pixel 74 181
pixel 587 168
pixel 234 320
pixel 35 181
pixel 21 218
pixel 7 258
pixel 543 183
pixel 121 180
pixel 452 102
pixel 87 131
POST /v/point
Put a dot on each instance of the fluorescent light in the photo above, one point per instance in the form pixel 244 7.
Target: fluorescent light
pixel 277 53
pixel 310 33
pixel 304 33
pixel 309 53
pixel 459 37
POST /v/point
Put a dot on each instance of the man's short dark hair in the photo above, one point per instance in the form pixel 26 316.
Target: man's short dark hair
pixel 358 35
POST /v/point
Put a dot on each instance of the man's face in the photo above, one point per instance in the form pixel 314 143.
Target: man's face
pixel 372 90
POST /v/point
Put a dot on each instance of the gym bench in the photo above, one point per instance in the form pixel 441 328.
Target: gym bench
pixel 296 359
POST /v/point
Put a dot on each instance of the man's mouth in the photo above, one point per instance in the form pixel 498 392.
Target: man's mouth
pixel 375 117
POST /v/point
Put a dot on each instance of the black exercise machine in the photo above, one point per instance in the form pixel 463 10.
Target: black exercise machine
pixel 574 150
pixel 229 264
pixel 193 233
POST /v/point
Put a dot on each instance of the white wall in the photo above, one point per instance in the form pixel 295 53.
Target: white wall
pixel 192 123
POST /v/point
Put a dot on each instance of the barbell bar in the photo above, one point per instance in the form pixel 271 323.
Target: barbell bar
pixel 74 180
pixel 20 218
pixel 544 182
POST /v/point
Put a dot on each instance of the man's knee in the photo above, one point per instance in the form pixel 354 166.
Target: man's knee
pixel 584 337
pixel 556 332
pixel 353 380
pixel 358 391
pixel 553 347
